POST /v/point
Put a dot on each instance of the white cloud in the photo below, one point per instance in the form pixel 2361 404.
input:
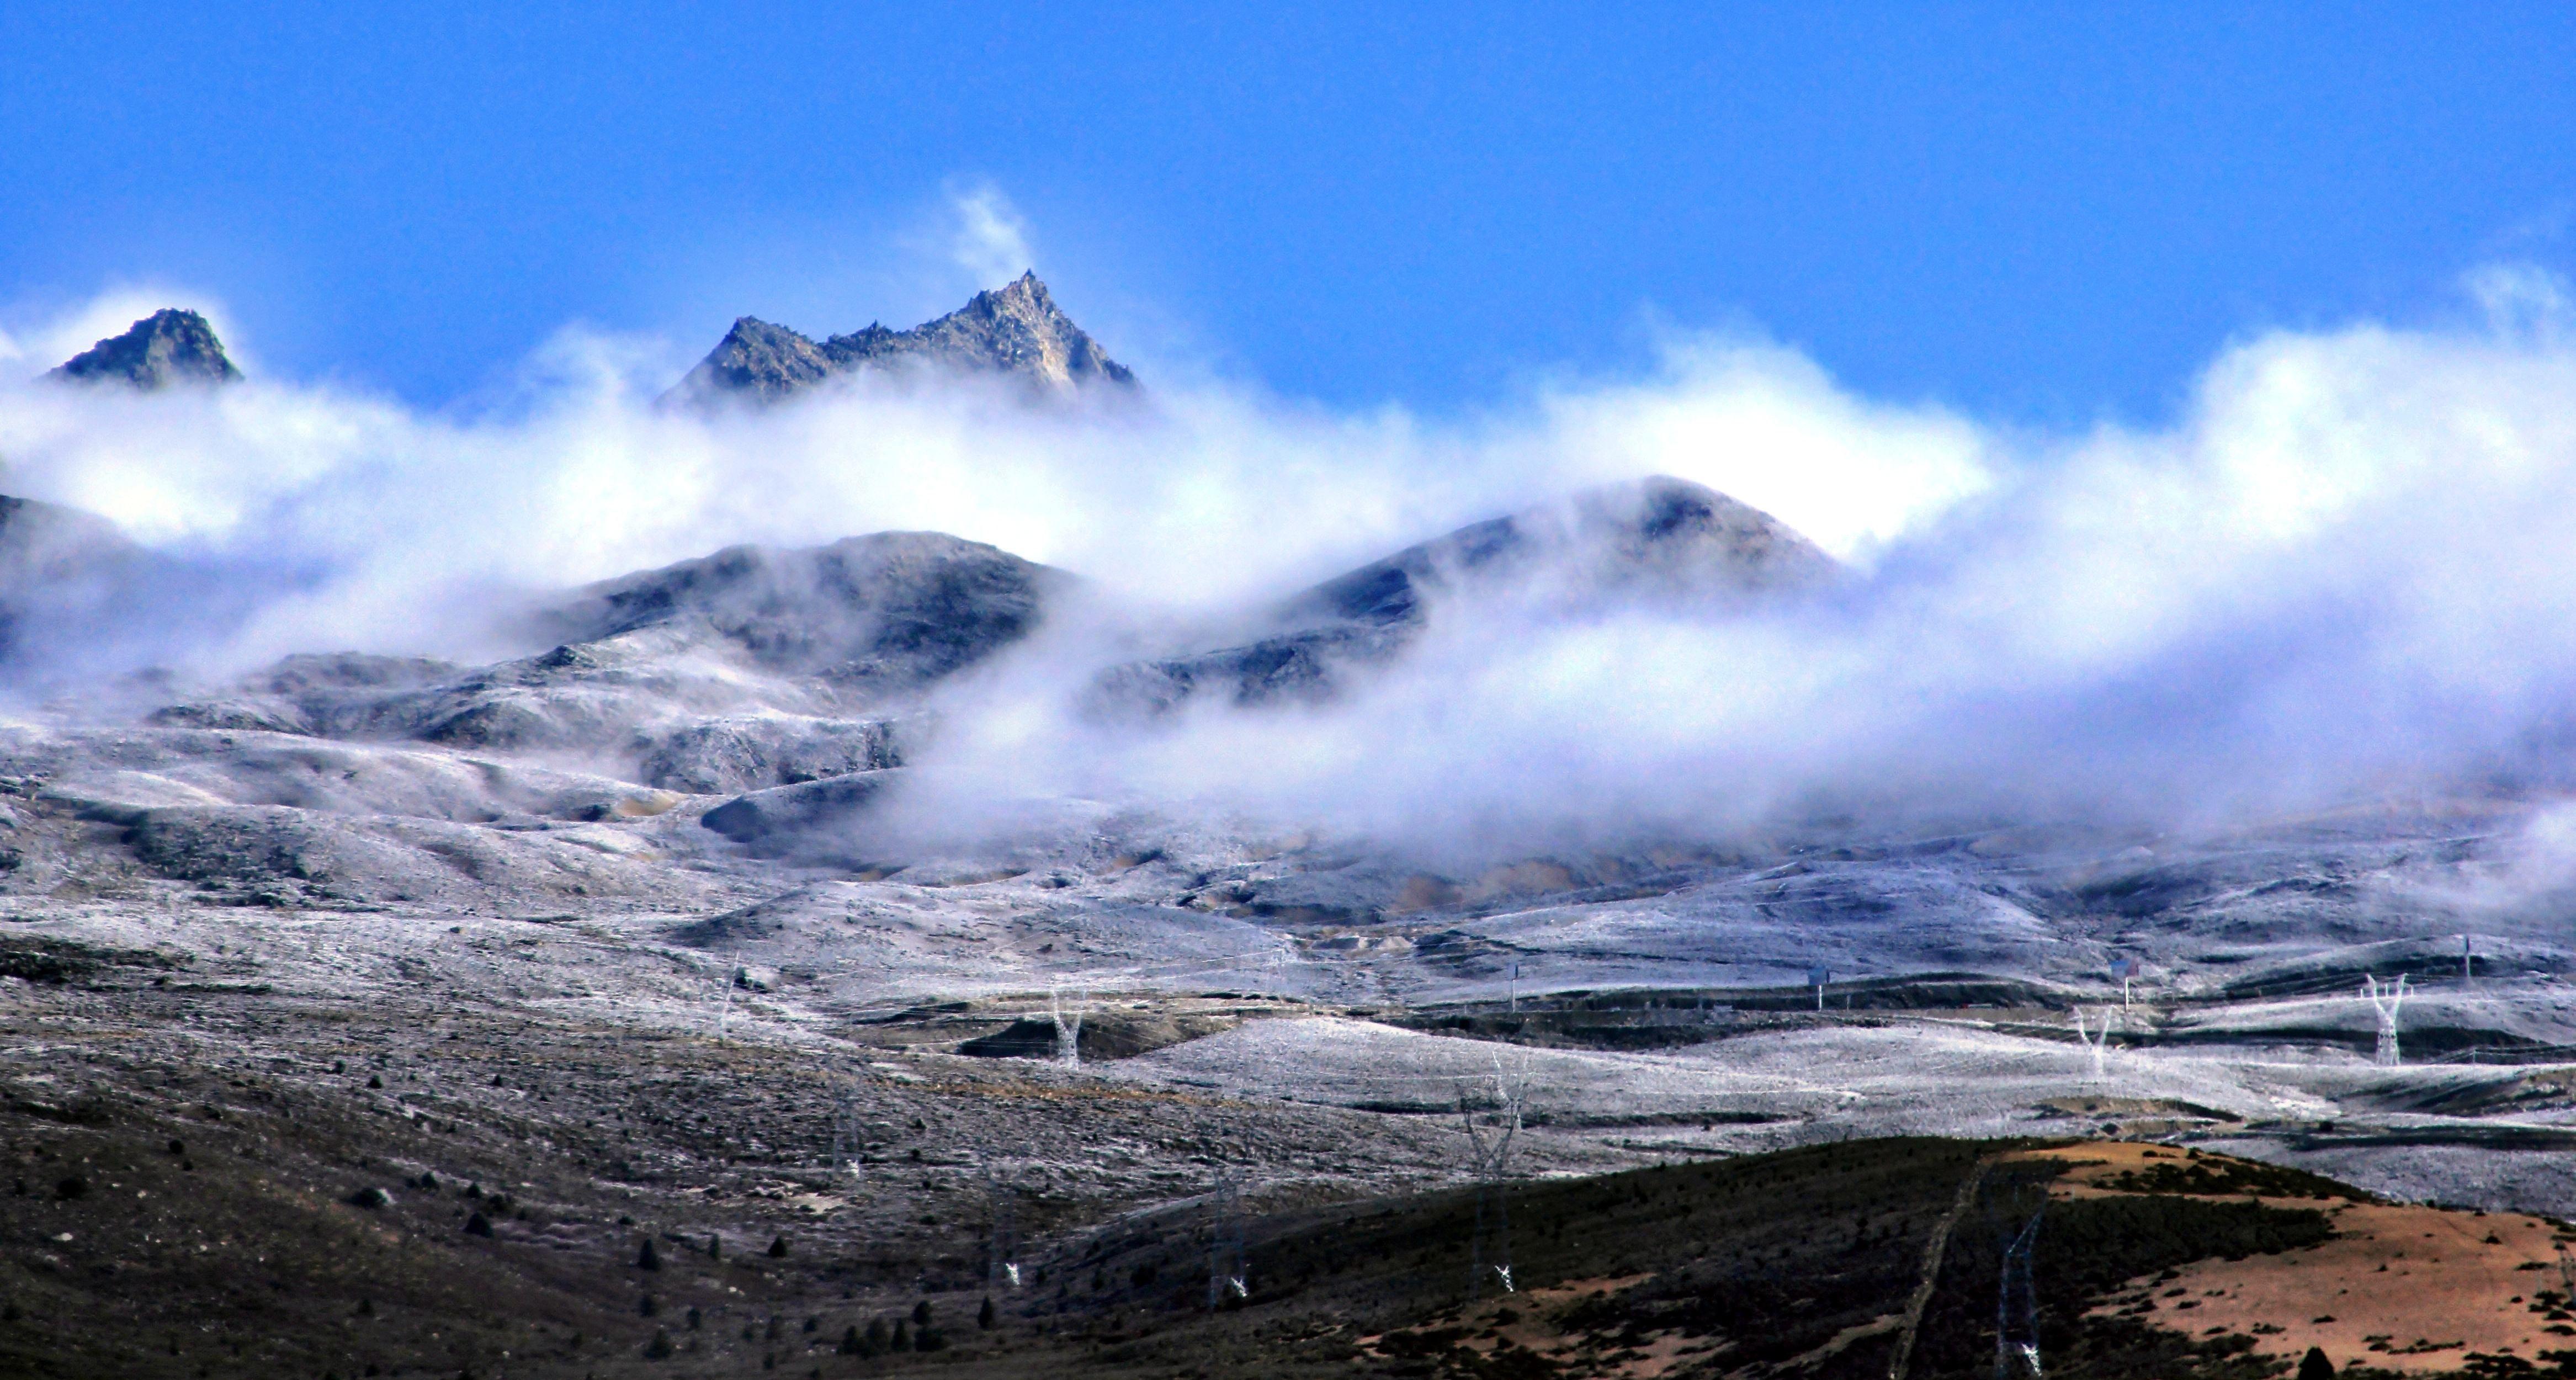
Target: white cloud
pixel 991 237
pixel 2343 569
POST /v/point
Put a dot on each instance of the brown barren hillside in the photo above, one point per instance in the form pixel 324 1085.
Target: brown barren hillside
pixel 2399 1287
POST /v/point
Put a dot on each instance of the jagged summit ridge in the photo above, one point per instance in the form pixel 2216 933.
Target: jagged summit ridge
pixel 1016 329
pixel 171 345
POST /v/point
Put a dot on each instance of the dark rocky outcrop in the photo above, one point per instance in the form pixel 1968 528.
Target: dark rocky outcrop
pixel 767 819
pixel 895 610
pixel 1016 330
pixel 1658 542
pixel 169 346
pixel 1103 1035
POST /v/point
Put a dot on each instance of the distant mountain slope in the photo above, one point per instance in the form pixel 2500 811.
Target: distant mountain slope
pixel 169 346
pixel 1658 541
pixel 894 609
pixel 1017 330
pixel 750 668
pixel 59 569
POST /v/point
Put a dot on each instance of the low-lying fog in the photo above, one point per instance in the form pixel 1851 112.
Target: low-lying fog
pixel 2340 572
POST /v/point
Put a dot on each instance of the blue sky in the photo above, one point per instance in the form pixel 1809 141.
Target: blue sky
pixel 2044 217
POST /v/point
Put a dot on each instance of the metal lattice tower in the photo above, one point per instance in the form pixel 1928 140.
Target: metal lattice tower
pixel 724 1003
pixel 1068 1028
pixel 1002 1248
pixel 849 1137
pixel 2017 1309
pixel 1489 1150
pixel 2096 1043
pixel 2384 1001
pixel 1228 1275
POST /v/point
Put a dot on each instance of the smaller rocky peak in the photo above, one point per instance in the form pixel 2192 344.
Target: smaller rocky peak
pixel 169 346
pixel 759 360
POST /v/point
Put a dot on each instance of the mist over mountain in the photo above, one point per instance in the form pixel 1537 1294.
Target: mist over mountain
pixel 1658 544
pixel 55 560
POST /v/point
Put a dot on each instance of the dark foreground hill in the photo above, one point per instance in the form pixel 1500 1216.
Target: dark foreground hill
pixel 470 1210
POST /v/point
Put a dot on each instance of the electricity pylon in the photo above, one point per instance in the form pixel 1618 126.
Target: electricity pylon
pixel 1068 1028
pixel 2384 1000
pixel 1227 1272
pixel 1489 1150
pixel 2017 1309
pixel 2096 1043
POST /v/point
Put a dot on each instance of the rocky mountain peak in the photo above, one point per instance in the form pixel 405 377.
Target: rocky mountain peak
pixel 169 346
pixel 1016 329
pixel 760 360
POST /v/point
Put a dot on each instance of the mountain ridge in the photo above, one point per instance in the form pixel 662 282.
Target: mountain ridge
pixel 1658 540
pixel 1016 329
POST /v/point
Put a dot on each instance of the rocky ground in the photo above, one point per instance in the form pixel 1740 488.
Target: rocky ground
pixel 262 1112
pixel 373 1015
